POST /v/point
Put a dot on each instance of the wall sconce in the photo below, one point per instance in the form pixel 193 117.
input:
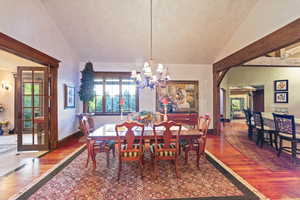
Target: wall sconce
pixel 5 85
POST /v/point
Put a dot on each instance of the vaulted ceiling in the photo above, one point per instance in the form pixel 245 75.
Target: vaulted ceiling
pixel 184 31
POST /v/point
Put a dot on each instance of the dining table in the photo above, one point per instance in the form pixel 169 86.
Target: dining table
pixel 107 132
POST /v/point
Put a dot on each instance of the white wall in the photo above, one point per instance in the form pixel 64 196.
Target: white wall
pixel 202 73
pixel 7 97
pixel 28 22
pixel 245 76
pixel 264 18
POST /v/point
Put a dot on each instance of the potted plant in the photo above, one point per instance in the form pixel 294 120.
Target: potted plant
pixel 86 93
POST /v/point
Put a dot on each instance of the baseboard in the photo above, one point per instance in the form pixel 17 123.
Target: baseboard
pixel 63 141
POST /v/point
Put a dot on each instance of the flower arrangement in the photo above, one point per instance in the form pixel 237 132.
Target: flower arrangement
pixel 144 117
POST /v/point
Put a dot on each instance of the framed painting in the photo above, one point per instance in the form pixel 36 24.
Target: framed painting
pixel 281 85
pixel 178 96
pixel 281 97
pixel 69 96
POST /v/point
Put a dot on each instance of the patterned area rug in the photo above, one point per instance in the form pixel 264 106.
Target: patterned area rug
pixel 75 181
pixel 266 156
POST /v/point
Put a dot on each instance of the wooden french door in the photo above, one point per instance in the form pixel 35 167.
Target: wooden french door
pixel 32 108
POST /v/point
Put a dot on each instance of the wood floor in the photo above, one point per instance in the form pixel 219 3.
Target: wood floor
pixel 273 184
pixel 13 183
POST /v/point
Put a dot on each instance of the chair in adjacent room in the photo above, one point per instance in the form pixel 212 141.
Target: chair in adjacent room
pixel 286 130
pixel 197 144
pixel 263 130
pixel 248 116
pixel 166 145
pixel 130 144
pixel 93 146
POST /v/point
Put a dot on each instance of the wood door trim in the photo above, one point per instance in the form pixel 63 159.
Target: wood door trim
pixel 23 50
pixel 284 36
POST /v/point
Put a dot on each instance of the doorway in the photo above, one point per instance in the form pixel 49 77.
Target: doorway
pixel 259 100
pixel 32 108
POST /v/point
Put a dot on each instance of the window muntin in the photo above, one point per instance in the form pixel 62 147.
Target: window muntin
pixel 108 92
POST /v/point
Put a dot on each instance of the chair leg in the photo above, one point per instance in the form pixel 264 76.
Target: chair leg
pixel 258 137
pixel 93 157
pixel 280 147
pixel 294 151
pixel 271 139
pixel 276 141
pixel 262 139
pixel 120 168
pixel 107 158
pixel 176 168
pixel 186 152
pixel 88 156
pixel 154 168
pixel 141 167
pixel 114 151
pixel 198 158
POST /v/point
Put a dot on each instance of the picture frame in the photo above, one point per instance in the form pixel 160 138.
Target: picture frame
pixel 281 97
pixel 182 97
pixel 281 85
pixel 69 96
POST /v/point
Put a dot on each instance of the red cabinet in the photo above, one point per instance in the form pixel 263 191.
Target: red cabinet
pixel 184 118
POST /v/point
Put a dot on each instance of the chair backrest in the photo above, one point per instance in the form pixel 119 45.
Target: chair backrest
pixel 203 124
pixel 130 134
pixel 85 126
pixel 285 124
pixel 258 120
pixel 168 137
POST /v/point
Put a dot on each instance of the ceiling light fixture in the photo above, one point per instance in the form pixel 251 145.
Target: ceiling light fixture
pixel 146 78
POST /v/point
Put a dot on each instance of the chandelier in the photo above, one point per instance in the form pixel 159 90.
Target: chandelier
pixel 149 78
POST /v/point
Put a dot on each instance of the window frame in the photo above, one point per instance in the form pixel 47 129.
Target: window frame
pixel 113 75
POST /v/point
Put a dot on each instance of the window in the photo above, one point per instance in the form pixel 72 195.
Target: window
pixel 110 88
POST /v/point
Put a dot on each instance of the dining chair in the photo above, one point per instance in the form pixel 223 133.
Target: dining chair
pixel 131 148
pixel 197 144
pixel 263 130
pixel 249 122
pixel 94 147
pixel 166 146
pixel 286 130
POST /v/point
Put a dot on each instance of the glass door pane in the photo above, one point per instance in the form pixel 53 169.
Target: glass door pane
pixel 33 105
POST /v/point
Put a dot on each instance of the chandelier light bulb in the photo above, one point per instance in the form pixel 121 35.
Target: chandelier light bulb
pixel 133 74
pixel 160 68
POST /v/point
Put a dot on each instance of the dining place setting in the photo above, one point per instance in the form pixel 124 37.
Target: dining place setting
pixel 134 138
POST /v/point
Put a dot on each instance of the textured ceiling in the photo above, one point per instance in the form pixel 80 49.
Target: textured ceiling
pixel 184 31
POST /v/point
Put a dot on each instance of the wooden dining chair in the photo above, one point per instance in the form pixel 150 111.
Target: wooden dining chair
pixel 249 122
pixel 131 148
pixel 286 130
pixel 197 144
pixel 263 131
pixel 94 146
pixel 166 146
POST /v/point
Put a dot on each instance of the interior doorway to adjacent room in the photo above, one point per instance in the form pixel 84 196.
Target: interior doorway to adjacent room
pixel 24 108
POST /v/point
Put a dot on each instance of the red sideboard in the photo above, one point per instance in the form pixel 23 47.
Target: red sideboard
pixel 184 118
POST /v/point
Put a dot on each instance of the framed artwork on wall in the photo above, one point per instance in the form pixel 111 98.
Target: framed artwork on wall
pixel 69 96
pixel 281 97
pixel 281 85
pixel 181 96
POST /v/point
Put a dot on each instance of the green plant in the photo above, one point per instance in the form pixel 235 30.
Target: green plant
pixel 86 92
